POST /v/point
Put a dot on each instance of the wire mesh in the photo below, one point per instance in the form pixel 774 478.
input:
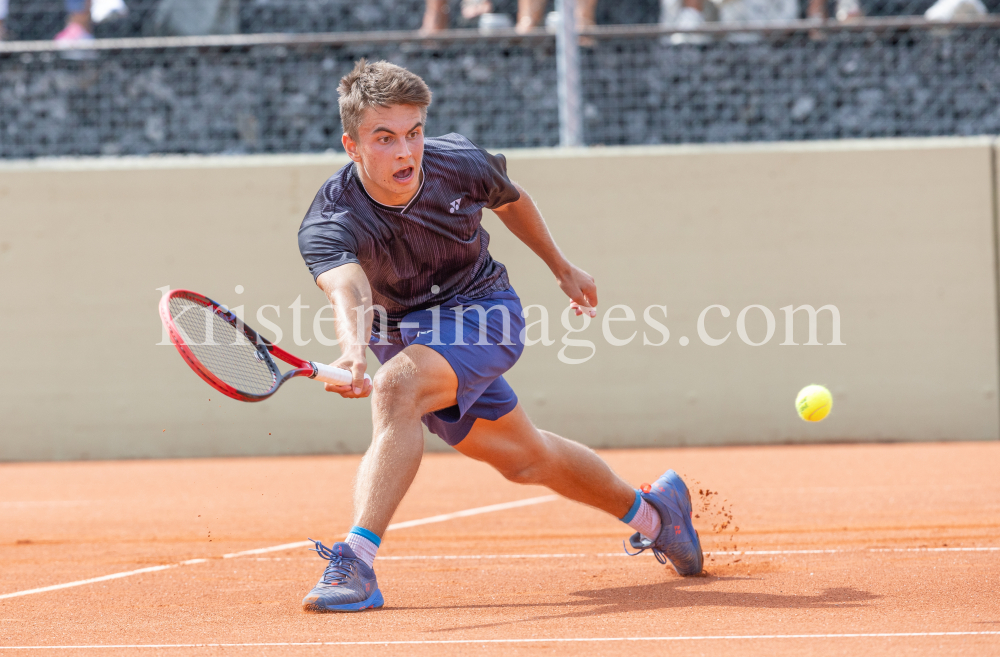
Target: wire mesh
pixel 260 99
pixel 221 348
pixel 793 86
pixel 275 93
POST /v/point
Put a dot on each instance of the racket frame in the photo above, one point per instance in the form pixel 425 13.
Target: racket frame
pixel 301 367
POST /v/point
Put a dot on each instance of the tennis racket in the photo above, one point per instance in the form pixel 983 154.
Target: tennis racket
pixel 229 355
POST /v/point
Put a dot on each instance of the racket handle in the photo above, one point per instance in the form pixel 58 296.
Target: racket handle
pixel 334 375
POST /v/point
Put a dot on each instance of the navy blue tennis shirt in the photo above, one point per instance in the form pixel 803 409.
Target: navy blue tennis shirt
pixel 434 240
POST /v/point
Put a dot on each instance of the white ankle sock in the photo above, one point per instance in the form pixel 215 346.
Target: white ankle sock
pixel 643 518
pixel 363 545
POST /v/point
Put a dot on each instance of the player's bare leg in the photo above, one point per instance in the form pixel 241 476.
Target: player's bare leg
pixel 530 15
pixel 661 514
pixel 419 380
pixel 527 455
pixel 436 16
pixel 416 381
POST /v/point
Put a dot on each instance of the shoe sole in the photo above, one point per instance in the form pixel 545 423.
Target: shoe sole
pixel 374 601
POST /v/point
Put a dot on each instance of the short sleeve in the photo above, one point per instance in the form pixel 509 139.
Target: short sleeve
pixel 499 189
pixel 325 242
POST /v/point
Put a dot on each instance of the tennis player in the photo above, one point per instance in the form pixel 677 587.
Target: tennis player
pixel 395 241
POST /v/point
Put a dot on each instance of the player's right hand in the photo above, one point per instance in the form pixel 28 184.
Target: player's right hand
pixel 356 364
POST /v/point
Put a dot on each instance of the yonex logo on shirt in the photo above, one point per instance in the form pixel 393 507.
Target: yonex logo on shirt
pixel 454 205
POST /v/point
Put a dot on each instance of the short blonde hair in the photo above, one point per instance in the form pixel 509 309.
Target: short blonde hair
pixel 379 84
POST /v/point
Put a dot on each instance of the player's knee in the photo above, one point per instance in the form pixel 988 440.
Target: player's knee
pixel 525 474
pixel 393 386
pixel 530 464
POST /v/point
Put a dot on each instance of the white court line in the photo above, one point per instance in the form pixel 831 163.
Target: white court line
pixel 474 512
pixel 289 546
pixel 411 523
pixel 273 548
pixel 718 554
pixel 750 553
pixel 940 549
pixel 462 514
pixel 103 578
pixel 716 637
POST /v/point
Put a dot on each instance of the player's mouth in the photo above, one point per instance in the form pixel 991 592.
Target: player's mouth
pixel 404 175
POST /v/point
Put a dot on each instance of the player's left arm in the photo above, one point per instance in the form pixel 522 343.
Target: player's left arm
pixel 523 218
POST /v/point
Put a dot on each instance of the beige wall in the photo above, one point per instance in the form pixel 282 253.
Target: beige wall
pixel 899 235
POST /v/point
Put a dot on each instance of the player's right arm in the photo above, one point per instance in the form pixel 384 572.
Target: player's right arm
pixel 349 292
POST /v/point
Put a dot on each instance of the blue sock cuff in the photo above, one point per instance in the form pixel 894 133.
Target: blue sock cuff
pixel 627 518
pixel 364 533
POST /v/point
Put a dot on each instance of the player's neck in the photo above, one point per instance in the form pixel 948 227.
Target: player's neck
pixel 384 196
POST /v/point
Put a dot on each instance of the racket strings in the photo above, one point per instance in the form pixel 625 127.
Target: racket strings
pixel 221 348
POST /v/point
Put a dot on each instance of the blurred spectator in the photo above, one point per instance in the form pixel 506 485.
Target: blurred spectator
pixel 686 14
pixel 436 16
pixel 691 14
pixel 79 26
pixel 82 14
pixel 194 18
pixel 105 10
pixel 530 13
pixel 948 10
pixel 846 10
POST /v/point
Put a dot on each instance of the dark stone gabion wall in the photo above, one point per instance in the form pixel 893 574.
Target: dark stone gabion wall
pixel 502 93
pixel 260 99
pixel 846 85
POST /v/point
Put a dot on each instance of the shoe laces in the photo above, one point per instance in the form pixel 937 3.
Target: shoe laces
pixel 646 544
pixel 337 571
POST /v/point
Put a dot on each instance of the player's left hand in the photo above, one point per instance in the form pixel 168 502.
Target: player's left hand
pixel 581 288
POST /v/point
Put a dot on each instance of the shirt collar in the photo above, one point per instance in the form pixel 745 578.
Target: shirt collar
pixel 402 209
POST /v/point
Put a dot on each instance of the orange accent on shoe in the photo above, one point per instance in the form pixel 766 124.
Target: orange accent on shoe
pixel 645 488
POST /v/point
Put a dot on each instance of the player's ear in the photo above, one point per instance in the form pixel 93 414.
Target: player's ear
pixel 351 147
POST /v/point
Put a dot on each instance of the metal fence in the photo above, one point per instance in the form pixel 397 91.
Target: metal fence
pixel 640 85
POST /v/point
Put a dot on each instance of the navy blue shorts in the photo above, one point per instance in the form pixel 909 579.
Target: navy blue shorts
pixel 482 390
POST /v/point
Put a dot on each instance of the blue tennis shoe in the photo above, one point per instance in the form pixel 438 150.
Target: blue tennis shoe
pixel 678 541
pixel 347 584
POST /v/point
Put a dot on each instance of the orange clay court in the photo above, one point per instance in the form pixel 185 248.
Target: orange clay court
pixel 841 550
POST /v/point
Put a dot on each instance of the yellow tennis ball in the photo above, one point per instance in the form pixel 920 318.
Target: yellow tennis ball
pixel 813 403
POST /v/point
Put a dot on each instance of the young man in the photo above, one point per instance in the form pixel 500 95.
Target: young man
pixel 399 229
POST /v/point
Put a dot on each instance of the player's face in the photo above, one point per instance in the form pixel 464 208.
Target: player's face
pixel 388 151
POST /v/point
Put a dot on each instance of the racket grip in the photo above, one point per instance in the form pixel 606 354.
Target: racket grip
pixel 334 375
